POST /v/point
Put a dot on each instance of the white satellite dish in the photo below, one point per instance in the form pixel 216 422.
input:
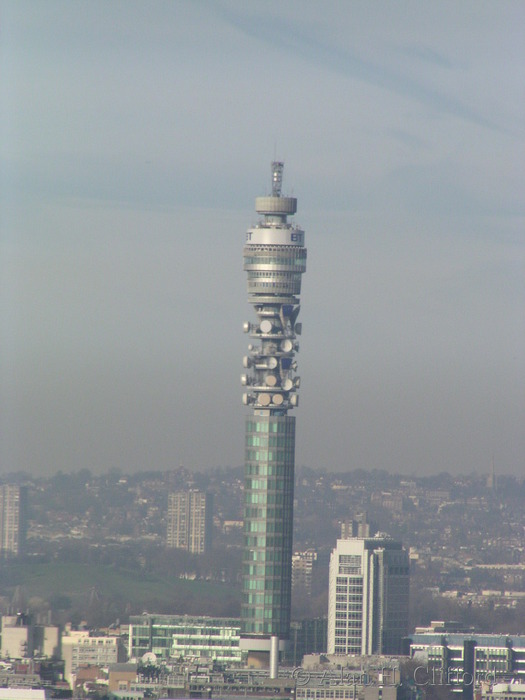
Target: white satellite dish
pixel 286 345
pixel 149 658
pixel 287 384
pixel 277 399
pixel 271 380
pixel 266 326
pixel 272 363
pixel 264 399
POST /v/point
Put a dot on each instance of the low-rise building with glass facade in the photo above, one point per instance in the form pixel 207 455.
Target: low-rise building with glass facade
pixel 186 637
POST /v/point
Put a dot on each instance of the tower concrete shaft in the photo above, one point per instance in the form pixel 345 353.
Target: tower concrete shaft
pixel 274 259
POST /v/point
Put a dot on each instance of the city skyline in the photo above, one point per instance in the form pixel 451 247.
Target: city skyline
pixel 131 146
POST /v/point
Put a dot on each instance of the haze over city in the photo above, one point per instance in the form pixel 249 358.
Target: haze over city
pixel 135 137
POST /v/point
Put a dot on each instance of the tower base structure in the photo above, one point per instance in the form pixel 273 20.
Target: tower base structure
pixel 260 650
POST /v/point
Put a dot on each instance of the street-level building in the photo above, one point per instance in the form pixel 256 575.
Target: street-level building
pixel 80 648
pixel 504 691
pixel 491 658
pixel 191 637
pixel 22 638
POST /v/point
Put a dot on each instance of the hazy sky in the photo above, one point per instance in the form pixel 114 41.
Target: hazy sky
pixel 134 139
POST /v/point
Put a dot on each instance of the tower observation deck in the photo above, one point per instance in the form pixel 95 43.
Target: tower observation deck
pixel 274 259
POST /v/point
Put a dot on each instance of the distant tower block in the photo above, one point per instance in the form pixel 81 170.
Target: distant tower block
pixel 360 526
pixel 13 520
pixel 190 521
pixel 274 259
pixel 302 570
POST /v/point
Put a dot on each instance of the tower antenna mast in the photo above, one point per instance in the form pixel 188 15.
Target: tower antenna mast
pixel 277 178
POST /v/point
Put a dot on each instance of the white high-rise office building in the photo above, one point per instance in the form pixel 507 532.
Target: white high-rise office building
pixel 368 596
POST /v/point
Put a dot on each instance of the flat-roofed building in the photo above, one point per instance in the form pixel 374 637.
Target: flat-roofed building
pixel 190 521
pixel 368 596
pixel 21 638
pixel 302 570
pixel 13 519
pixel 79 648
pixel 496 657
pixel 195 637
pixel 504 691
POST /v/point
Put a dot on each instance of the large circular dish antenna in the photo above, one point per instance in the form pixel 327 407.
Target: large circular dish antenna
pixel 149 658
pixel 277 399
pixel 271 380
pixel 264 399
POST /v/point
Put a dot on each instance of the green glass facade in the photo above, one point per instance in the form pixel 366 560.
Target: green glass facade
pixel 185 637
pixel 268 525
